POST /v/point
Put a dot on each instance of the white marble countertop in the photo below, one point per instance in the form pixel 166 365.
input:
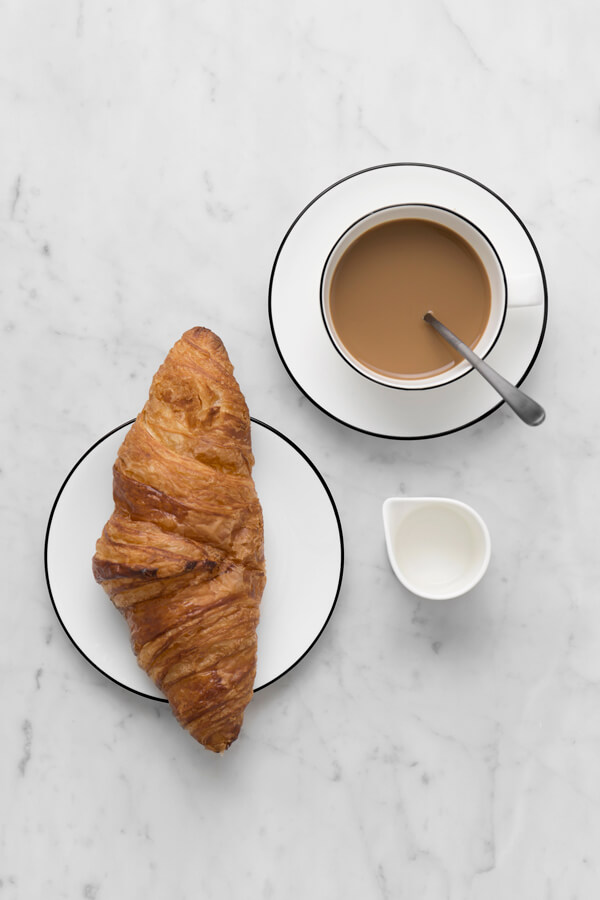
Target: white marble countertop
pixel 152 158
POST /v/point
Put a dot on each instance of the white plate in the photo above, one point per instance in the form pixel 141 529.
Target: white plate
pixel 303 550
pixel 301 338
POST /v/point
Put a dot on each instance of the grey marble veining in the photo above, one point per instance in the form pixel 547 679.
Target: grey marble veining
pixel 152 158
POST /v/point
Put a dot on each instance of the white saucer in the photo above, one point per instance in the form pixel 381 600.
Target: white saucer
pixel 304 555
pixel 302 341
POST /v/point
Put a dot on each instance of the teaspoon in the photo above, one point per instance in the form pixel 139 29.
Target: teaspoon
pixel 527 409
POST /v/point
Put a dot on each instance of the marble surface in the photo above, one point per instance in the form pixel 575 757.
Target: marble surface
pixel 152 158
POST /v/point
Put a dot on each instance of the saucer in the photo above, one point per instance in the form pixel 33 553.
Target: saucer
pixel 304 556
pixel 301 338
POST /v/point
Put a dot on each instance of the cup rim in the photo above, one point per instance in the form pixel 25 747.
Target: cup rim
pixel 348 358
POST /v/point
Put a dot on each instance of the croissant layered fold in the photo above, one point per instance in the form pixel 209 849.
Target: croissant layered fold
pixel 182 555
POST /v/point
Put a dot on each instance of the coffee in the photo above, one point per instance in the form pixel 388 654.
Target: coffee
pixel 385 282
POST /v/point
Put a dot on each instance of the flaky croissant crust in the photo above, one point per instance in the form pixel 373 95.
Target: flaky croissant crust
pixel 182 556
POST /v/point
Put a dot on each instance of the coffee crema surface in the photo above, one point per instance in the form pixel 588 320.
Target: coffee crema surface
pixel 385 282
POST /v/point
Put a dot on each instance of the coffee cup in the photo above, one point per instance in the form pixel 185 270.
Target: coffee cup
pixel 391 267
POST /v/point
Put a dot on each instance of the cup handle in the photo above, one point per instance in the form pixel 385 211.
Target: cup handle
pixel 524 290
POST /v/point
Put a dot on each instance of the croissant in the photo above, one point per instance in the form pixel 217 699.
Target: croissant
pixel 182 555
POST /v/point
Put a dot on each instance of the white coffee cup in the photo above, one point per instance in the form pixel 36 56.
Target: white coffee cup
pixel 486 252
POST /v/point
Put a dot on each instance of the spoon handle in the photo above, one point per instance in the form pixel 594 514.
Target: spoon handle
pixel 527 409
